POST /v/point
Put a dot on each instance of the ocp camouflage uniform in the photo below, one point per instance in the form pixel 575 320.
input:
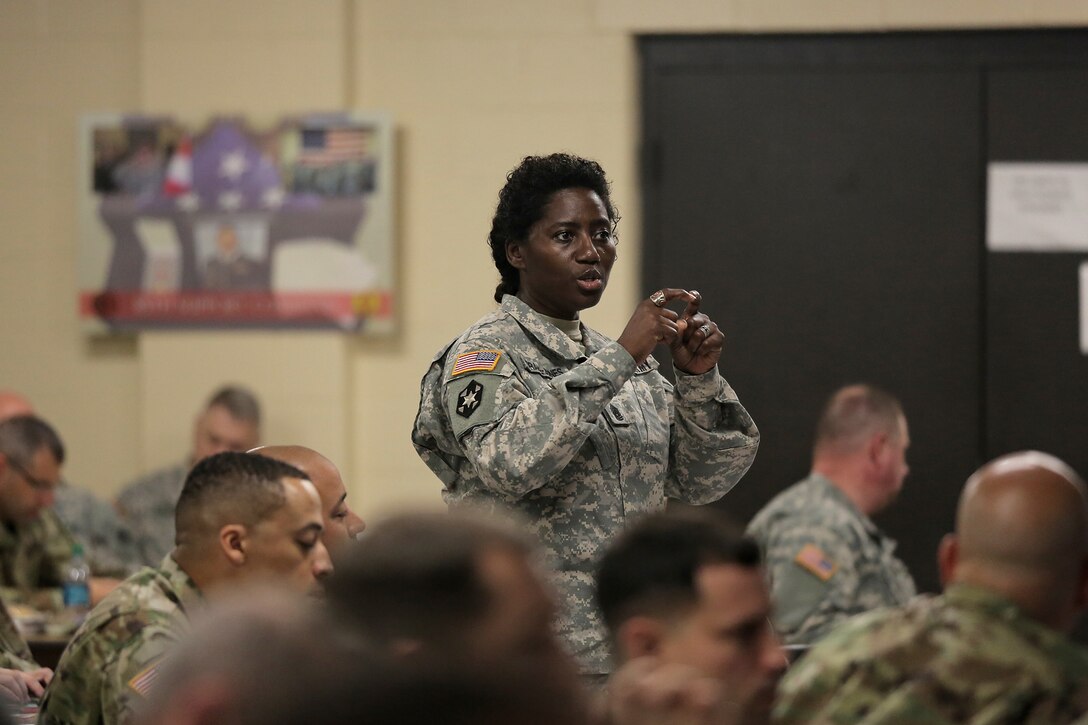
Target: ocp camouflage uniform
pixel 825 560
pixel 968 656
pixel 147 506
pixel 107 542
pixel 111 662
pixel 571 434
pixel 33 556
pixel 14 652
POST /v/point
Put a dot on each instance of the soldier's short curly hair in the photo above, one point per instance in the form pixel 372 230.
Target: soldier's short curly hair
pixel 529 188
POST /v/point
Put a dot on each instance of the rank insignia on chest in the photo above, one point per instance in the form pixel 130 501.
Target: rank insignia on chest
pixel 815 561
pixel 468 400
pixel 476 361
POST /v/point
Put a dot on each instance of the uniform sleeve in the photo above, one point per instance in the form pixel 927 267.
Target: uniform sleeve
pixel 517 440
pixel 713 440
pixel 813 579
pixel 130 679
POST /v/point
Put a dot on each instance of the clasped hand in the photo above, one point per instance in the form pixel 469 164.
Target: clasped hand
pixel 693 338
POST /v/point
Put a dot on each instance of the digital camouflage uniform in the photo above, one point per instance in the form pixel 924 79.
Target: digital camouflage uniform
pixel 968 656
pixel 111 662
pixel 825 560
pixel 575 437
pixel 107 542
pixel 147 506
pixel 32 557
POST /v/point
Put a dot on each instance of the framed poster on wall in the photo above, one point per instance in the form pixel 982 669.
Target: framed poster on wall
pixel 233 226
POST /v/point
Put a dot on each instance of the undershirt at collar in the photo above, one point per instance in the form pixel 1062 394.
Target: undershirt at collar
pixel 570 328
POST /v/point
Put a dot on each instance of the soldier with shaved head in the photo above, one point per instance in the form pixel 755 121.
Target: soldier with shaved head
pixel 342 524
pixel 993 647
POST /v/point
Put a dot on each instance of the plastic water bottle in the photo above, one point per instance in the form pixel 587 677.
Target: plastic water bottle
pixel 77 583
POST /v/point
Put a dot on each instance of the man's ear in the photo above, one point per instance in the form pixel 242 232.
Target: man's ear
pixel 515 255
pixel 640 636
pixel 875 448
pixel 234 541
pixel 948 554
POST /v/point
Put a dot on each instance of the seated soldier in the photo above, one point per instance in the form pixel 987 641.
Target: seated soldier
pixel 241 517
pixel 826 558
pixel 993 648
pixel 35 548
pixel 107 542
pixel 342 524
pixel 230 421
pixel 687 609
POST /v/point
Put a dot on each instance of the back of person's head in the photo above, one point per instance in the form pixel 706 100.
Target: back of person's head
pixel 852 415
pixel 22 436
pixel 240 402
pixel 1022 532
pixel 417 576
pixel 447 585
pixel 235 488
pixel 652 567
pixel 529 188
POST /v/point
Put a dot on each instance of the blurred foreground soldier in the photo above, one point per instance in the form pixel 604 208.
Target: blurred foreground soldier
pixel 241 518
pixel 826 559
pixel 230 421
pixel 247 657
pixel 993 647
pixel 269 660
pixel 107 541
pixel 449 587
pixel 688 611
pixel 342 524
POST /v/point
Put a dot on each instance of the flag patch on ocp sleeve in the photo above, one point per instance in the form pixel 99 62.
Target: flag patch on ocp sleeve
pixel 143 682
pixel 811 558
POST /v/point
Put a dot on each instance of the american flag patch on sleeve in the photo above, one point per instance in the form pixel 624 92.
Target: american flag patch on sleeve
pixel 476 361
pixel 811 558
pixel 143 682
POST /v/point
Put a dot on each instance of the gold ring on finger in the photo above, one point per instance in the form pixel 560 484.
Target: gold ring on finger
pixel 658 298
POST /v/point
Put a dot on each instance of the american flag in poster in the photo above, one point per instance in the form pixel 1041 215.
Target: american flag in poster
pixel 476 360
pixel 328 146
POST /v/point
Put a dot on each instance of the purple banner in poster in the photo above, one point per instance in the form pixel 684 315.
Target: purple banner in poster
pixel 230 227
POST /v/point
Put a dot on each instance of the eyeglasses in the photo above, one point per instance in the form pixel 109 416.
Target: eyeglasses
pixel 35 483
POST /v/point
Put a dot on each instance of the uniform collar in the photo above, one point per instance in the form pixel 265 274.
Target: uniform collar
pixel 180 582
pixel 992 604
pixel 545 332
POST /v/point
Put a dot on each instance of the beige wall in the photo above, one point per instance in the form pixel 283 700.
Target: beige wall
pixel 473 86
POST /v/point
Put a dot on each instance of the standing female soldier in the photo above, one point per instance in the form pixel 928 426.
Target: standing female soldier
pixel 530 410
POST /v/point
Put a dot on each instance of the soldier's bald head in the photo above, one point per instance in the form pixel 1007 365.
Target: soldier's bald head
pixel 1022 524
pixel 12 404
pixel 342 525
